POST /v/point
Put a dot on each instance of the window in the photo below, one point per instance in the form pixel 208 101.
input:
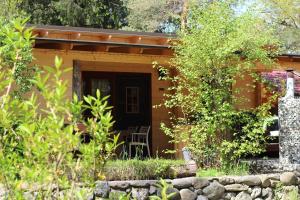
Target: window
pixel 101 84
pixel 132 100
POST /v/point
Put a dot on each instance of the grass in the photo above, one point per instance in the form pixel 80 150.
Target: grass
pixel 135 169
pixel 238 170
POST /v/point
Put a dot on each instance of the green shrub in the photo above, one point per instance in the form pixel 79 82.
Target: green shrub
pixel 141 169
pixel 214 50
pixel 40 146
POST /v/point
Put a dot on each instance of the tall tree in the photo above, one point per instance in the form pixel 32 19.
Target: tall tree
pixel 86 13
pixel 161 15
pixel 217 46
pixel 9 9
pixel 284 14
pixel 156 15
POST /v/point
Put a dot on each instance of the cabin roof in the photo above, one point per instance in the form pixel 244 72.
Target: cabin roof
pixel 99 30
pixel 109 40
pixel 105 40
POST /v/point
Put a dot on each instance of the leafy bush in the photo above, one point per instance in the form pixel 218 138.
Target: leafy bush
pixel 141 169
pixel 217 47
pixel 40 146
pixel 16 56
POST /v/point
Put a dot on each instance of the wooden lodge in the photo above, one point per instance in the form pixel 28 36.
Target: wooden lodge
pixel 120 64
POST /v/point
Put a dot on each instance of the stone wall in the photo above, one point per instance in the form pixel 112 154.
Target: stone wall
pixel 249 187
pixel 289 134
pixel 257 187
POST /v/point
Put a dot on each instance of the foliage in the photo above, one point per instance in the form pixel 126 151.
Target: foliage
pixel 16 56
pixel 284 14
pixel 167 20
pixel 164 186
pixel 141 169
pixel 249 133
pixel 235 169
pixel 293 195
pixel 91 13
pixel 9 9
pixel 172 14
pixel 286 192
pixel 217 47
pixel 40 144
pixel 125 197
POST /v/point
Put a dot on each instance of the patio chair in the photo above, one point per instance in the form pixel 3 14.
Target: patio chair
pixel 140 139
pixel 132 129
pixel 126 139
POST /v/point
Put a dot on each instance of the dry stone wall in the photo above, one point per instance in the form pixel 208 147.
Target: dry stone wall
pixel 251 187
pixel 258 187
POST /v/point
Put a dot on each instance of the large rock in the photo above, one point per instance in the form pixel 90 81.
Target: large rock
pixel 265 180
pixel 181 183
pixel 198 192
pixel 200 183
pixel 187 194
pixel 214 191
pixel 142 183
pixel 225 180
pixel 120 185
pixel 201 197
pixel 274 183
pixel 229 195
pixel 256 192
pixel 274 176
pixel 140 193
pixel 267 193
pixel 243 196
pixel 102 189
pixel 236 187
pixel 250 180
pixel 288 178
pixel 152 190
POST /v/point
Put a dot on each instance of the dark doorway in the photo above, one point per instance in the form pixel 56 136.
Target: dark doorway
pixel 130 95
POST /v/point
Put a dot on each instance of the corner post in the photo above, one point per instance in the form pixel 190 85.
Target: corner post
pixel 77 79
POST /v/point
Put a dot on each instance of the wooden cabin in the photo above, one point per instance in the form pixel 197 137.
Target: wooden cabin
pixel 120 64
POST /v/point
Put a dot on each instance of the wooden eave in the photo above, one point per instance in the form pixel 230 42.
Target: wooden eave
pixel 289 57
pixel 102 40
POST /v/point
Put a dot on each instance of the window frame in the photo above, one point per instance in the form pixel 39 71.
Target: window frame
pixel 137 104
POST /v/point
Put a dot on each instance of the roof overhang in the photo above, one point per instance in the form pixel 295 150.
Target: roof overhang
pixel 109 40
pixel 103 40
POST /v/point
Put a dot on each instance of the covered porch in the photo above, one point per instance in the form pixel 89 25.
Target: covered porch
pixel 120 64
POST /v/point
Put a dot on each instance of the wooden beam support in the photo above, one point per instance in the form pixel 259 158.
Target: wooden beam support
pixel 106 56
pixel 105 37
pixel 77 80
pixel 119 49
pixel 135 39
pixel 102 48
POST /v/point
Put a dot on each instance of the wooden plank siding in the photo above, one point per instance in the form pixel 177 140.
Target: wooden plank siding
pixel 119 51
pixel 112 62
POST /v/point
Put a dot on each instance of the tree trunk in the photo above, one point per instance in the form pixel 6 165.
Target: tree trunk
pixel 184 14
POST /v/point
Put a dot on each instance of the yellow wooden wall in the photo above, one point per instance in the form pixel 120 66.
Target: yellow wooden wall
pixel 138 63
pixel 252 95
pixel 117 62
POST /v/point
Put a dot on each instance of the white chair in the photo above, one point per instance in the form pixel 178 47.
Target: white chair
pixel 132 129
pixel 140 139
